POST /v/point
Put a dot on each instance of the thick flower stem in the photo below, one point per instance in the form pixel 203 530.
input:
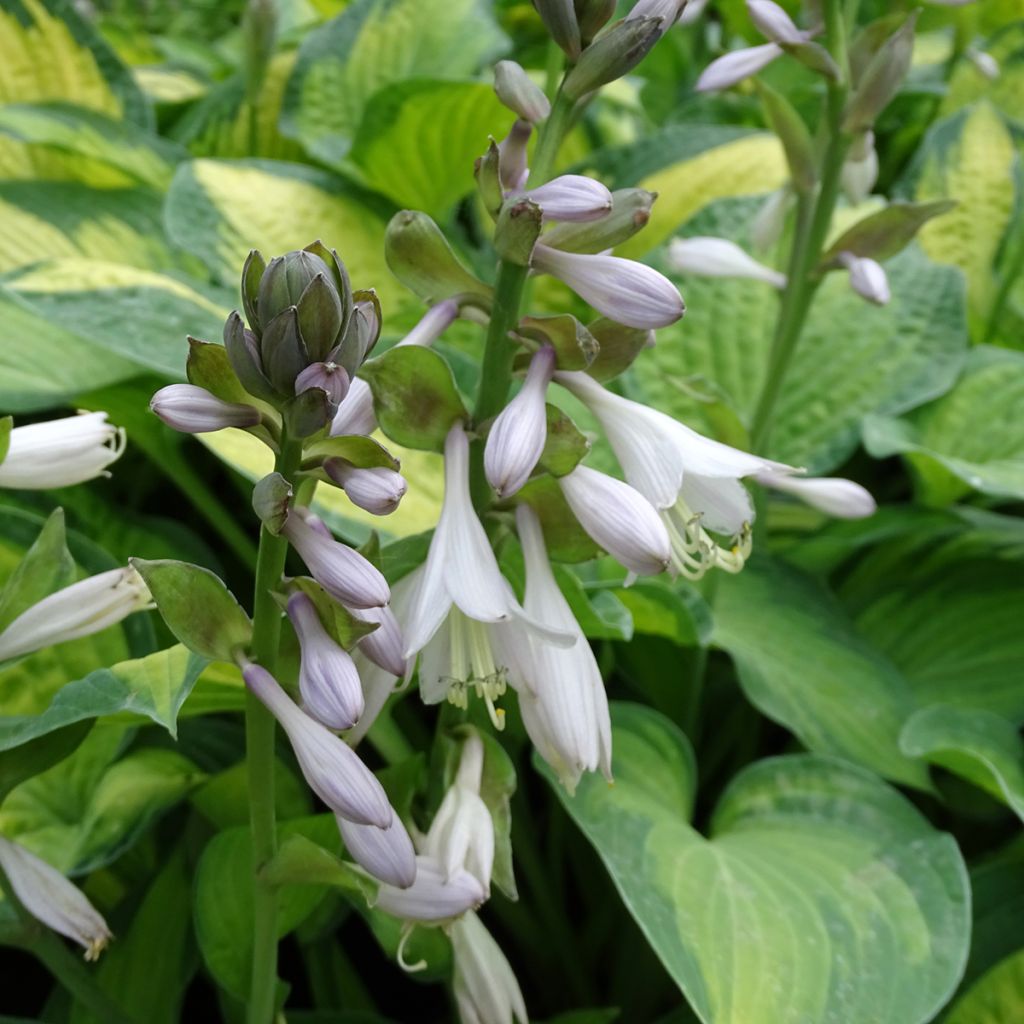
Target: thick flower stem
pixel 259 755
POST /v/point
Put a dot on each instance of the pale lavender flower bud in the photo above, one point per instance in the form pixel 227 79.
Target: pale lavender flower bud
pixel 341 571
pixel 512 165
pixel 519 92
pixel 433 897
pixel 718 257
pixel 50 898
pixel 773 22
pixel 619 519
pixel 834 496
pixel 867 278
pixel 329 377
pixel 81 609
pixel 376 490
pixel 384 646
pixel 387 853
pixel 193 410
pixel 570 197
pixel 62 452
pixel 518 435
pixel 330 766
pixel 328 680
pixel 355 414
pixel 627 292
pixel 734 67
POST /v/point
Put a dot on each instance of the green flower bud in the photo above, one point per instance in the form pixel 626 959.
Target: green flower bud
pixel 244 355
pixel 613 54
pixel 320 317
pixel 592 16
pixel 285 280
pixel 282 352
pixel 487 172
pixel 631 210
pixel 252 274
pixel 559 17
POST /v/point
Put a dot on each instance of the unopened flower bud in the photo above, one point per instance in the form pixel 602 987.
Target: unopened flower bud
pixel 985 64
pixel 718 257
pixel 385 645
pixel 860 169
pixel 613 54
pixel 734 67
pixel 193 410
pixel 361 335
pixel 570 197
pixel 328 680
pixel 517 436
pixel 559 17
pixel 519 92
pixel 50 898
pixel 376 490
pixel 619 519
pixel 592 16
pixel 512 158
pixel 773 22
pixel 867 278
pixel 625 291
pixel 630 212
pixel 386 853
pixel 881 78
pixel 328 377
pixel 243 350
pixel 834 496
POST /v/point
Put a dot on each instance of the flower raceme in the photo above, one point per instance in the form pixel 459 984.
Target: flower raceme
pixel 81 609
pixel 61 452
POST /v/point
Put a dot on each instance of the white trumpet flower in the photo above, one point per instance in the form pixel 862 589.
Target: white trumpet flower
pixel 692 480
pixel 81 609
pixel 59 453
pixel 707 256
pixel 459 594
pixel 867 278
pixel 834 496
pixel 50 898
pixel 517 436
pixel 561 693
pixel 623 290
pixel 485 987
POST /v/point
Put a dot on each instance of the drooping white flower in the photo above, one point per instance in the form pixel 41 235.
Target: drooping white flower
pixel 434 897
pixel 619 519
pixel 62 452
pixel 386 853
pixel 193 410
pixel 328 681
pixel 707 256
pixel 867 278
pixel 569 197
pixel 81 609
pixel 561 693
pixel 50 898
pixel 623 290
pixel 344 573
pixel 331 768
pixel 376 489
pixel 459 593
pixel 693 480
pixel 734 67
pixel 834 496
pixel 517 436
pixel 485 987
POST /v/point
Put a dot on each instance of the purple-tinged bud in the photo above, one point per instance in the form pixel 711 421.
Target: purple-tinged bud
pixel 627 292
pixel 834 496
pixel 518 435
pixel 512 164
pixel 329 377
pixel 867 278
pixel 384 646
pixel 341 571
pixel 519 92
pixel 193 410
pixel 734 67
pixel 618 518
pixel 706 256
pixel 330 766
pixel 570 197
pixel 328 681
pixel 774 23
pixel 386 853
pixel 376 490
pixel 433 897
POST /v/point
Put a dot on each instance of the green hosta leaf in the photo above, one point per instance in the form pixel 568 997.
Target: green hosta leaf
pixel 155 687
pixel 361 451
pixel 998 997
pixel 997 899
pixel 821 894
pixel 883 234
pixel 220 209
pixel 978 745
pixel 46 567
pixel 675 611
pixel 370 45
pixel 853 359
pixel 80 132
pixel 197 607
pixel 970 438
pixel 414 396
pixel 396 145
pixel 802 663
pixel 136 314
pixel 970 158
pixel 36 756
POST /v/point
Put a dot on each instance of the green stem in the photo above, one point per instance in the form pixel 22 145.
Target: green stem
pixel 552 134
pixel 259 755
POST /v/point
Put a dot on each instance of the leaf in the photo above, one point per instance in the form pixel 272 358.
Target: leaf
pixel 220 210
pixel 821 894
pixel 39 755
pixel 970 158
pixel 617 347
pixel 6 425
pixel 574 345
pixel 364 452
pixel 801 662
pixel 46 567
pixel 977 745
pixel 996 998
pixel 155 687
pixel 368 46
pixel 197 607
pixel 271 498
pixel 137 314
pixel 970 438
pixel 345 629
pixel 883 234
pixel 675 611
pixel 564 445
pixel 300 861
pixel 414 396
